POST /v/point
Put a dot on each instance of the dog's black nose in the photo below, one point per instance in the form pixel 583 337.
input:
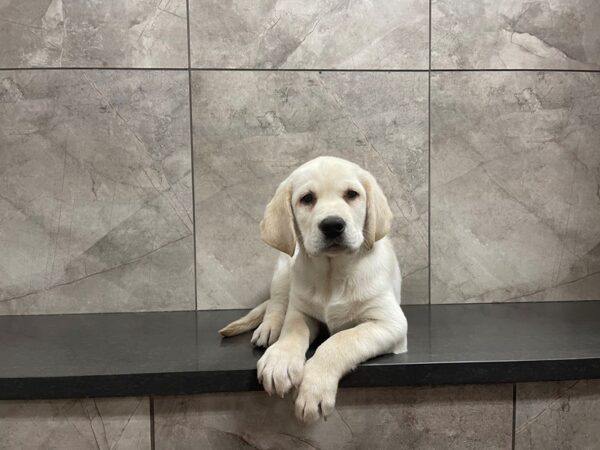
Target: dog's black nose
pixel 332 226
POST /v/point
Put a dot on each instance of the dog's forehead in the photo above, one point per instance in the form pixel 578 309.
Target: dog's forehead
pixel 325 172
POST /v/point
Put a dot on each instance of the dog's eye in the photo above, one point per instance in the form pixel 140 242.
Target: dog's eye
pixel 350 194
pixel 308 199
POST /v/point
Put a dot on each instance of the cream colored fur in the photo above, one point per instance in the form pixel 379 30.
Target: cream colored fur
pixel 354 290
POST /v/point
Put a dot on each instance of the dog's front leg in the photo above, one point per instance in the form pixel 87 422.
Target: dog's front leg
pixel 269 330
pixel 337 356
pixel 282 365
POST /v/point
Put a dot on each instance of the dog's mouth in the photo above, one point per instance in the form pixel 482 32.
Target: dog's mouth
pixel 334 247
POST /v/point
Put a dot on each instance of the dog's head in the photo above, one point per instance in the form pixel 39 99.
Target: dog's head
pixel 330 206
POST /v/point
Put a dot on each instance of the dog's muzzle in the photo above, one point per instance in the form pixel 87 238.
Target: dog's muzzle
pixel 332 227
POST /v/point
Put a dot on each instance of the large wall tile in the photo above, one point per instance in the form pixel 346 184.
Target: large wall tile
pixel 251 129
pixel 95 192
pixel 466 417
pixel 557 415
pixel 515 176
pixel 104 33
pixel 515 34
pixel 379 34
pixel 104 424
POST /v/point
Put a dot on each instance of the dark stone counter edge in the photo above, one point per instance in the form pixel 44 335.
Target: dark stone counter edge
pixel 184 383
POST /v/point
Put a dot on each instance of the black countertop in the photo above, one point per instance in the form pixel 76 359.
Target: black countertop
pixel 92 355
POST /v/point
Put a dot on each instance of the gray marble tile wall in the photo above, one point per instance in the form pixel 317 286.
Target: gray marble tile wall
pixel 460 417
pixel 252 128
pixel 556 416
pixel 493 172
pixel 328 34
pixel 515 186
pixel 479 118
pixel 95 192
pixel 103 424
pixel 105 33
pixel 546 416
pixel 515 34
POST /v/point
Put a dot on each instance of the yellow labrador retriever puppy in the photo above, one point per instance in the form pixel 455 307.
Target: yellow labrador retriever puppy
pixel 329 219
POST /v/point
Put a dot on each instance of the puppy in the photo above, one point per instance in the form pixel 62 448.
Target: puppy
pixel 329 219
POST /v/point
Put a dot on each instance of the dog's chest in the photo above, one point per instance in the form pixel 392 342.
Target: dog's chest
pixel 329 303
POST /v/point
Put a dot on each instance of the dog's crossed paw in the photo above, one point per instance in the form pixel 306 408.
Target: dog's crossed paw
pixel 316 394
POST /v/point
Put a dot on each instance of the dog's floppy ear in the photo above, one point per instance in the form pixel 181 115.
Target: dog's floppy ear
pixel 379 215
pixel 277 226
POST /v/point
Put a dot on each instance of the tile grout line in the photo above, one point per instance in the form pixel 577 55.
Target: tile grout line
pixel 136 69
pixel 152 437
pixel 260 69
pixel 232 69
pixel 514 415
pixel 429 165
pixel 189 70
pixel 520 70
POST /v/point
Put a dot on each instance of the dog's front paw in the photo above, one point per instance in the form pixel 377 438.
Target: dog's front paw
pixel 267 332
pixel 316 395
pixel 280 369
